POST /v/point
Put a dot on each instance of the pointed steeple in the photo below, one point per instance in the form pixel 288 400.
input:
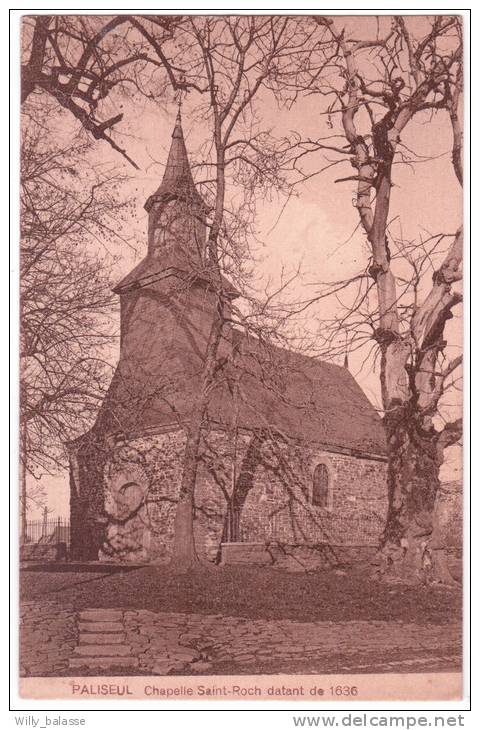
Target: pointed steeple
pixel 177 226
pixel 177 179
pixel 345 361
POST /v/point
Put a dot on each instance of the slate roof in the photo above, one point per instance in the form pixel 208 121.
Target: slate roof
pixel 172 263
pixel 302 397
pixel 273 389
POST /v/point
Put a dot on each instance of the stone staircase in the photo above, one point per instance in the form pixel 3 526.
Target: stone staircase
pixel 102 641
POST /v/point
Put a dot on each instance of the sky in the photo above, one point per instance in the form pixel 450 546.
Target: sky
pixel 313 229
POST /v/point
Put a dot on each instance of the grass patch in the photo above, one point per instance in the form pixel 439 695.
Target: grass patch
pixel 257 593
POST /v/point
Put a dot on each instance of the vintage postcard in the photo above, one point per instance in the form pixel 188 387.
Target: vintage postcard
pixel 240 431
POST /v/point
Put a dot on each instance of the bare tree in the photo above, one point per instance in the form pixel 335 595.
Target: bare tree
pixel 66 303
pixel 86 63
pixel 373 88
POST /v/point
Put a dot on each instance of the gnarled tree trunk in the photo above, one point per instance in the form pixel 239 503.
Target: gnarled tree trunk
pixel 412 544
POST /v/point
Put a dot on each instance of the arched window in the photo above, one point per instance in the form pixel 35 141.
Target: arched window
pixel 321 487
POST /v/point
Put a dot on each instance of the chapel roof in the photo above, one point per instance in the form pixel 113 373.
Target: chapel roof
pixel 279 391
pixel 173 263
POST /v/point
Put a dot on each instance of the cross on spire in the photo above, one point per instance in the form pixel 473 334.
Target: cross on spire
pixel 179 96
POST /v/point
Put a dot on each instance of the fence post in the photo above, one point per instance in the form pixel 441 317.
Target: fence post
pixel 44 526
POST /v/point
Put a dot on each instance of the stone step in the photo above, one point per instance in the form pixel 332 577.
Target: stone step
pixel 89 638
pixel 101 614
pixel 105 650
pixel 121 662
pixel 101 627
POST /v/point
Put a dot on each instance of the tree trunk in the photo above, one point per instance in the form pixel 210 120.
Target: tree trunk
pixel 184 554
pixel 241 488
pixel 412 547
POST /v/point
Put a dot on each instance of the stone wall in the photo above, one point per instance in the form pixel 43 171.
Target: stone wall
pixel 143 476
pixel 283 511
pixel 294 557
pixel 145 531
pixel 449 515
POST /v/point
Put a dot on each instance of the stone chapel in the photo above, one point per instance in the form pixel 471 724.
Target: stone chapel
pixel 293 454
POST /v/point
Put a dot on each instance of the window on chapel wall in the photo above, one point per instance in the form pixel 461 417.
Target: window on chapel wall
pixel 321 487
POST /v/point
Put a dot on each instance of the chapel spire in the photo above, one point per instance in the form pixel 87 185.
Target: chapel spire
pixel 177 225
pixel 177 179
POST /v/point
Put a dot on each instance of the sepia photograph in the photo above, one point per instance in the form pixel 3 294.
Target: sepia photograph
pixel 241 335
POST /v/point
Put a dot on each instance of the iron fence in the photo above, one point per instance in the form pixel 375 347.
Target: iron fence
pixel 53 530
